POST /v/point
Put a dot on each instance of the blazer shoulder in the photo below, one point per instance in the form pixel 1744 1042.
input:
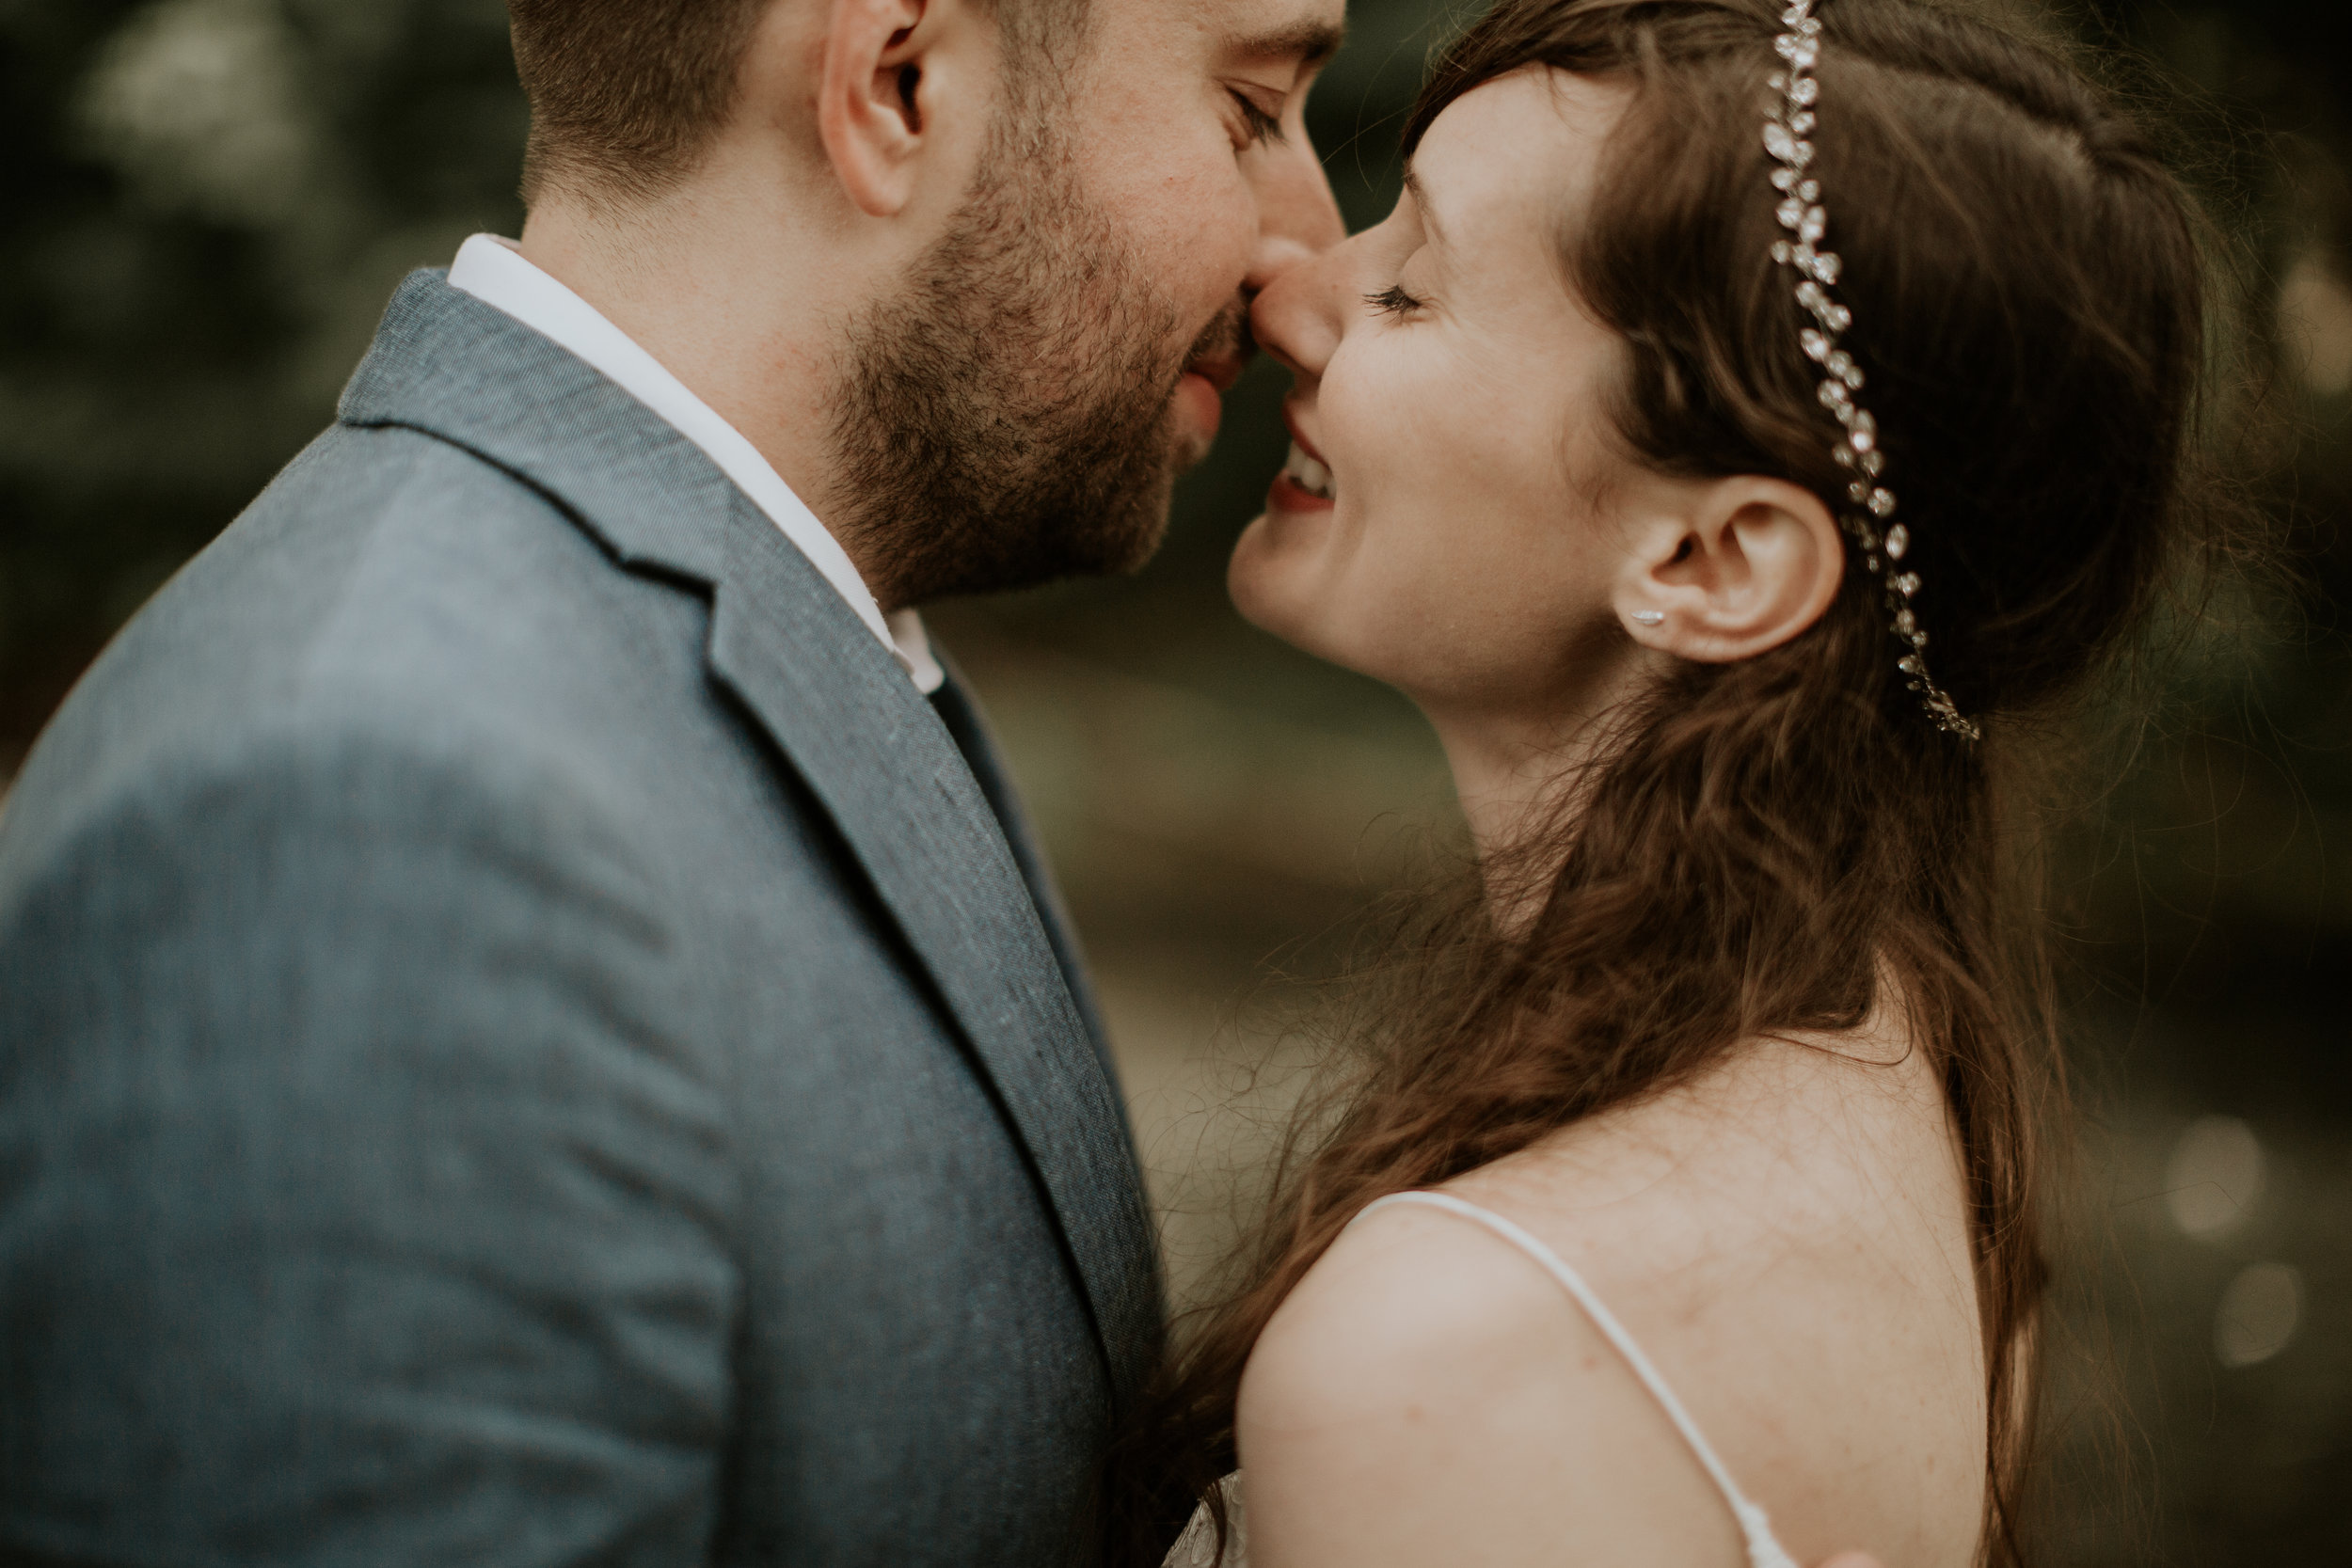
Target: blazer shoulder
pixel 391 597
pixel 259 800
pixel 355 479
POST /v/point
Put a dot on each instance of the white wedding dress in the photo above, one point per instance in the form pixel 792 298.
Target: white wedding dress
pixel 1197 1546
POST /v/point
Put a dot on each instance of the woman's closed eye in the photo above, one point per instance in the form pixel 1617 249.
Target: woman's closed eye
pixel 1393 301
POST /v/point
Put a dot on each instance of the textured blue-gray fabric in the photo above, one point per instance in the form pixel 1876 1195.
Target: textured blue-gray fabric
pixel 525 1041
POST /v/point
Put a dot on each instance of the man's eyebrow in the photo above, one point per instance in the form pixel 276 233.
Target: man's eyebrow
pixel 1309 43
pixel 1422 209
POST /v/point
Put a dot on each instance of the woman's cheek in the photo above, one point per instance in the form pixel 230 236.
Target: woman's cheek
pixel 1381 412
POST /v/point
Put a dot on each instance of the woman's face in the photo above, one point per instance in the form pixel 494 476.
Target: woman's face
pixel 1438 527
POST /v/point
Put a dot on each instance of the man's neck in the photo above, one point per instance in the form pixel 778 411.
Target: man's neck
pixel 708 308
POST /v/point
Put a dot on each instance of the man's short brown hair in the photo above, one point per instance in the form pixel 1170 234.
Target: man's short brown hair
pixel 625 94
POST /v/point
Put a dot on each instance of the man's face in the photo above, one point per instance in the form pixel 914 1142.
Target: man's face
pixel 1020 410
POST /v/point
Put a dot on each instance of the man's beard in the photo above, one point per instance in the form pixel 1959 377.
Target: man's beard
pixel 1006 419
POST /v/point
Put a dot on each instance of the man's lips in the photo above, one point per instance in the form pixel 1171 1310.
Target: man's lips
pixel 1200 390
pixel 1222 352
pixel 1221 372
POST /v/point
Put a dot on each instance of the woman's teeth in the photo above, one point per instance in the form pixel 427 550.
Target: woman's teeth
pixel 1308 474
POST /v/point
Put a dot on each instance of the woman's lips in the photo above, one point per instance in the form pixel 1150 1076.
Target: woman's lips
pixel 1286 496
pixel 1305 483
pixel 1290 422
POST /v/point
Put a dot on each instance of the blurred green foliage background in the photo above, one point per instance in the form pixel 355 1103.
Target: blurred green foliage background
pixel 208 202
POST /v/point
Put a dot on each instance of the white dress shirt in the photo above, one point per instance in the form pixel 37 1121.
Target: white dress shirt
pixel 493 272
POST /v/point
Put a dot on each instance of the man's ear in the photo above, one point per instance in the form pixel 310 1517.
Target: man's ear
pixel 1731 568
pixel 886 73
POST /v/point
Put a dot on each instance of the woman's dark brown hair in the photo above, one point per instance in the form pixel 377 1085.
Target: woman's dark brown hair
pixel 1769 843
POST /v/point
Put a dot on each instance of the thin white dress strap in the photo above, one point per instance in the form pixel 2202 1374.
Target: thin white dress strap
pixel 1764 1549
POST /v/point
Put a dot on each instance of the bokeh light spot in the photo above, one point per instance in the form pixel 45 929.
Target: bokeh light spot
pixel 2259 1314
pixel 2214 1177
pixel 2316 325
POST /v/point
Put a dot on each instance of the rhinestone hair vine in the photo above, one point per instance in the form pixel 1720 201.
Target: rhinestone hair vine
pixel 1857 449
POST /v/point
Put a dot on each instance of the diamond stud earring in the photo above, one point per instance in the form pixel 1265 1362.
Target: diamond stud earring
pixel 1649 617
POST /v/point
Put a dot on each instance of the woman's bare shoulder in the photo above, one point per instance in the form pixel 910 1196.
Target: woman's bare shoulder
pixel 1816 1149
pixel 1787 1237
pixel 1422 1397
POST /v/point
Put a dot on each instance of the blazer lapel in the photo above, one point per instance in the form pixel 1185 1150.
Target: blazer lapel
pixel 903 796
pixel 970 731
pixel 909 805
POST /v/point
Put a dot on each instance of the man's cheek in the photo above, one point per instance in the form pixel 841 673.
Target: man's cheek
pixel 1295 199
pixel 1193 221
pixel 1202 259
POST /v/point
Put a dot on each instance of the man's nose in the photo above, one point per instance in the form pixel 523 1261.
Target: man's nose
pixel 1298 218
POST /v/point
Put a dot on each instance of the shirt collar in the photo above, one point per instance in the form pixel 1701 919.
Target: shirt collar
pixel 495 272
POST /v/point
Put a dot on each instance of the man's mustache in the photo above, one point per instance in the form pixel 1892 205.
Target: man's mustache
pixel 1226 345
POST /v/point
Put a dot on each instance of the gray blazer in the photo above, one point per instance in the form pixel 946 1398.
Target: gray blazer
pixel 525 1040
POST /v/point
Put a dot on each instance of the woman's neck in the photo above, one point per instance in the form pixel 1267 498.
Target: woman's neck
pixel 1507 777
pixel 1521 765
pixel 1515 777
pixel 1517 766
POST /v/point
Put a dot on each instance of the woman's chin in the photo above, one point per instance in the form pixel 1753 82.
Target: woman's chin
pixel 1272 580
pixel 1254 576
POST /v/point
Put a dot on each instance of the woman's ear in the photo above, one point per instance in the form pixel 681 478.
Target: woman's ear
pixel 1730 569
pixel 876 92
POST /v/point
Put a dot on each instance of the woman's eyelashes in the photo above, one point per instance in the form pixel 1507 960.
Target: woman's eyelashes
pixel 1393 301
pixel 1260 125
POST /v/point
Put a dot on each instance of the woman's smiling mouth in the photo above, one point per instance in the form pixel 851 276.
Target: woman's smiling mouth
pixel 1308 474
pixel 1305 483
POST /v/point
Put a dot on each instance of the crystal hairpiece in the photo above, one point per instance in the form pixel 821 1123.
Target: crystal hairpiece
pixel 1857 449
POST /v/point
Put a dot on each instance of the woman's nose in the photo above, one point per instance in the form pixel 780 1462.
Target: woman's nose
pixel 1293 316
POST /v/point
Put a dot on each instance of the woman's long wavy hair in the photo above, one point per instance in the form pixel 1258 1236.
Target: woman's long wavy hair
pixel 1767 844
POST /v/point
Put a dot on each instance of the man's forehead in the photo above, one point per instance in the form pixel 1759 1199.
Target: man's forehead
pixel 1308 31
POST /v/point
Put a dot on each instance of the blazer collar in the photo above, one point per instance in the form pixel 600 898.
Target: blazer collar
pixel 840 709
